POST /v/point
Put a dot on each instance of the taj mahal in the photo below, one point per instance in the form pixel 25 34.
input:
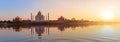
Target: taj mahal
pixel 39 17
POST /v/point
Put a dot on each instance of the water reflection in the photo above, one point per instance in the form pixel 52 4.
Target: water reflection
pixel 17 28
pixel 108 32
pixel 40 30
pixel 60 33
pixel 107 29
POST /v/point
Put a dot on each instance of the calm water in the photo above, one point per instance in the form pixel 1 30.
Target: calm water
pixel 92 33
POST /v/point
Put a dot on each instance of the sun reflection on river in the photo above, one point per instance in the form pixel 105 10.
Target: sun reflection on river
pixel 107 29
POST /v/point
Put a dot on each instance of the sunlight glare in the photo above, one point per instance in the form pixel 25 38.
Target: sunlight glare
pixel 108 13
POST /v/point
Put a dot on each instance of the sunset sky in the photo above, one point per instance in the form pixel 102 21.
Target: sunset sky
pixel 96 10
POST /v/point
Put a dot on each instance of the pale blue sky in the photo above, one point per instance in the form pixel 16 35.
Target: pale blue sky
pixel 86 9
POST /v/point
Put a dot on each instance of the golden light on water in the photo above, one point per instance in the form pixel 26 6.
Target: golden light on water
pixel 107 30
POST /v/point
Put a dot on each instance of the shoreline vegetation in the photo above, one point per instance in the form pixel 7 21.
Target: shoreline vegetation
pixel 53 23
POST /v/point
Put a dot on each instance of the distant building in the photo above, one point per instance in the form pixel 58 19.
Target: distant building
pixel 17 19
pixel 73 19
pixel 61 18
pixel 39 17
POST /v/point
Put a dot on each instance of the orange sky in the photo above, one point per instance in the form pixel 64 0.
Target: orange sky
pixel 96 10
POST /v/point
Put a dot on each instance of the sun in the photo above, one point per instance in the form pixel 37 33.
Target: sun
pixel 107 15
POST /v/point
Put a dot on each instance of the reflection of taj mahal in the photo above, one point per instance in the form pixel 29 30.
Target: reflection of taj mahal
pixel 39 17
pixel 40 30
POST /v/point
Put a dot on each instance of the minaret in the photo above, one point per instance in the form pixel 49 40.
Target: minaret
pixel 48 16
pixel 31 17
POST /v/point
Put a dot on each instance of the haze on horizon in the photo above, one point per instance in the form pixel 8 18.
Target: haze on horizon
pixel 96 10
